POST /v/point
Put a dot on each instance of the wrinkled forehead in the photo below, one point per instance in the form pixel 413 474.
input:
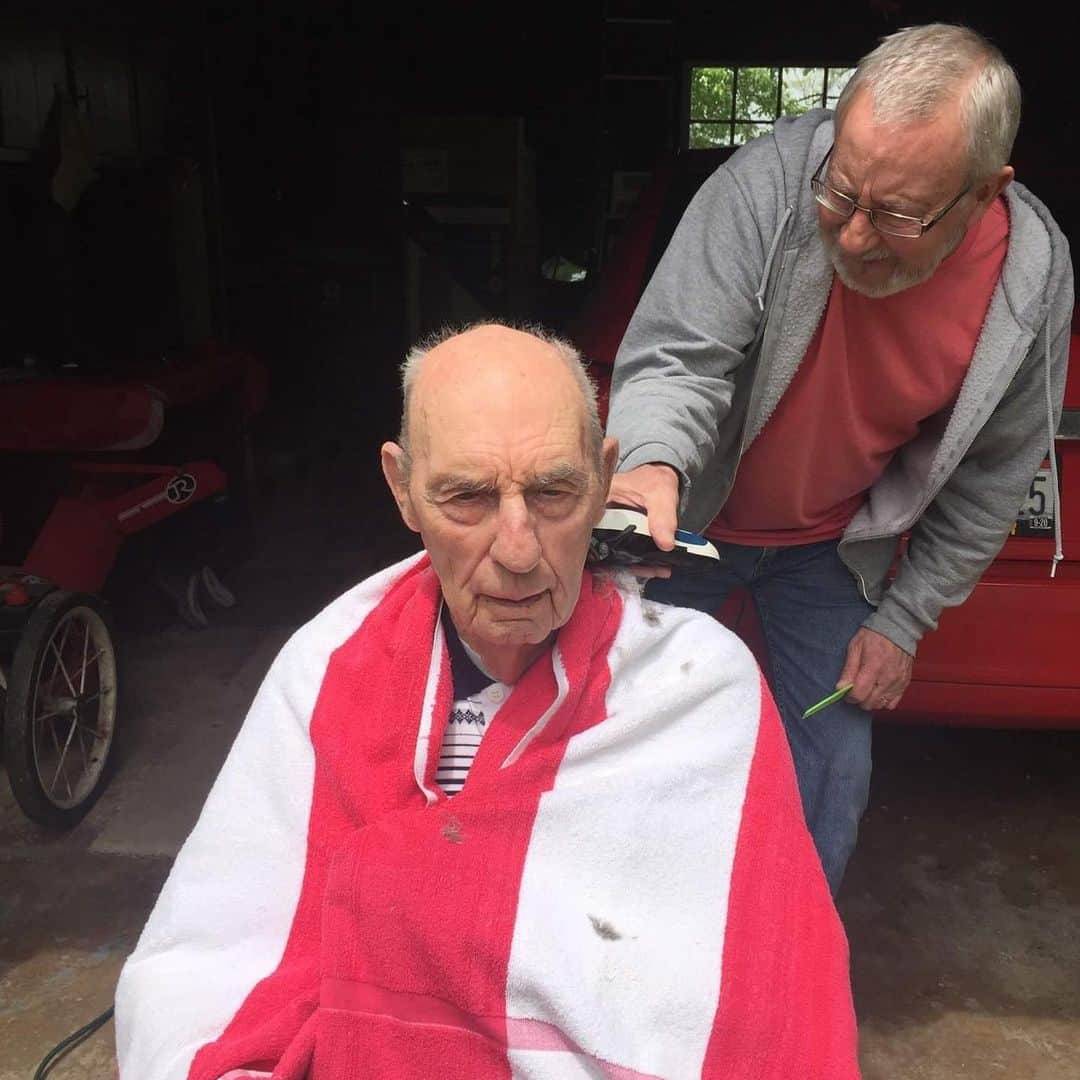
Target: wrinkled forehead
pixel 919 157
pixel 511 420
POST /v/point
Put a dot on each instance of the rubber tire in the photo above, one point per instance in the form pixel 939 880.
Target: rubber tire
pixel 18 740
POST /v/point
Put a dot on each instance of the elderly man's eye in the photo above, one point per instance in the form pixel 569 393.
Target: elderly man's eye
pixel 553 500
pixel 459 499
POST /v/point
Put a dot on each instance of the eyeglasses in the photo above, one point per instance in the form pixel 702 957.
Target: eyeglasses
pixel 885 221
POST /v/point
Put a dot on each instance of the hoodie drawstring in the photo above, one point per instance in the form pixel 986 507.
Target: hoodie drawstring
pixel 763 284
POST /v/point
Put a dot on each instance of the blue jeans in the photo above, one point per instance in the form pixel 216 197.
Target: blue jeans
pixel 809 608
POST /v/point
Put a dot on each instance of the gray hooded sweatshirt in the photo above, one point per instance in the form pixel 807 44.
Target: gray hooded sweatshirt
pixel 726 320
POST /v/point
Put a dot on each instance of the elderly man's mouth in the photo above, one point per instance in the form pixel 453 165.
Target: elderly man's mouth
pixel 516 602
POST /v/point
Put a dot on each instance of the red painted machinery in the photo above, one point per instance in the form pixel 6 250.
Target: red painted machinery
pixel 86 461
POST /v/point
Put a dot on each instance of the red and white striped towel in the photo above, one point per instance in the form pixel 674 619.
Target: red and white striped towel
pixel 624 887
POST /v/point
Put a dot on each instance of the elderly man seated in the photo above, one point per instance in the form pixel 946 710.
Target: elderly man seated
pixel 494 815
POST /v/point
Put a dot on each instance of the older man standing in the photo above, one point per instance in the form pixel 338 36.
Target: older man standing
pixel 859 331
pixel 482 819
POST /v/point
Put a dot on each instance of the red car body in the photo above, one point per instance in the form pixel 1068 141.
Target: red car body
pixel 1009 656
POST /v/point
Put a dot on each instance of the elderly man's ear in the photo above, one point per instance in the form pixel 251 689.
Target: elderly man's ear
pixel 989 189
pixel 393 467
pixel 609 458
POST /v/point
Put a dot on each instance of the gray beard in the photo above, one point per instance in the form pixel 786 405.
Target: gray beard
pixel 903 277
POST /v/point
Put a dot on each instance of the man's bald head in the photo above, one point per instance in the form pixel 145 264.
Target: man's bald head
pixel 488 356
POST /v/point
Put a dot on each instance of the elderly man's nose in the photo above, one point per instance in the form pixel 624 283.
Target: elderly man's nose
pixel 857 235
pixel 516 546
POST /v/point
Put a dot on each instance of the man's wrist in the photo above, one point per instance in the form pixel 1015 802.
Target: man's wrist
pixel 903 637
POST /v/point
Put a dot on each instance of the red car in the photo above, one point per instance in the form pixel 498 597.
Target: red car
pixel 1010 655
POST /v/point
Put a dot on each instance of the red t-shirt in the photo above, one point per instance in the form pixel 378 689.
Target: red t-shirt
pixel 875 370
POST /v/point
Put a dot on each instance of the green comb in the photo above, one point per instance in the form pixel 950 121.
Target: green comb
pixel 836 695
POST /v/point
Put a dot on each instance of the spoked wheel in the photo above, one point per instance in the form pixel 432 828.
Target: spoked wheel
pixel 61 710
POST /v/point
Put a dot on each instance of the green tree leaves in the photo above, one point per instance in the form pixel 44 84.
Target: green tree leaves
pixel 730 105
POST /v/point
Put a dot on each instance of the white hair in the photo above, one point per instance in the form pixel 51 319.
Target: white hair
pixel 917 70
pixel 414 359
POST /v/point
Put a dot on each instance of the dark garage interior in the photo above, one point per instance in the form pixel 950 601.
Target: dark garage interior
pixel 256 208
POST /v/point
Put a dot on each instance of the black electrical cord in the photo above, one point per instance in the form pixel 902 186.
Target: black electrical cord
pixel 69 1044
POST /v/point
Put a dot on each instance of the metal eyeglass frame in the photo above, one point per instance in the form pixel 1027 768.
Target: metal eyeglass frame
pixel 818 186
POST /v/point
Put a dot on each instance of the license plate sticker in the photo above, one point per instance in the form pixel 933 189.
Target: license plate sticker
pixel 1036 517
